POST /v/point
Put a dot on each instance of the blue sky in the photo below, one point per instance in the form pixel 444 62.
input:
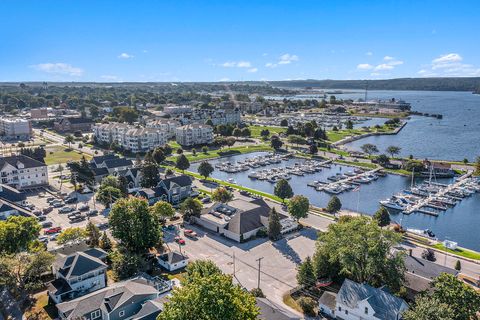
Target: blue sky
pixel 95 40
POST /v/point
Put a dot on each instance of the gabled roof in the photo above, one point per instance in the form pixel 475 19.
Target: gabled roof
pixel 20 158
pixel 115 163
pixel 100 171
pixel 385 305
pixel 425 268
pixel 150 310
pixel 182 181
pixel 80 263
pixel 152 192
pixel 100 159
pixel 59 286
pixel 131 292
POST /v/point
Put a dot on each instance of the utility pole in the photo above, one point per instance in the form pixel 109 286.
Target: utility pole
pixel 234 264
pixel 258 283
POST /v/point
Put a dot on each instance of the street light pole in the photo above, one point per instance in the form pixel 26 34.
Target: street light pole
pixel 258 282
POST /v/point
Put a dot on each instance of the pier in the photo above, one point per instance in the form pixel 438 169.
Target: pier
pixel 338 186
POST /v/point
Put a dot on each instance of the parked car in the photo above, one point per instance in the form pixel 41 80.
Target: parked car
pixel 46 224
pixel 47 209
pixel 206 200
pixel 51 199
pixel 57 204
pixel 73 213
pixel 190 233
pixel 54 237
pixel 41 218
pixel 179 240
pixel 92 213
pixel 77 218
pixel 30 206
pixel 66 210
pixel 53 230
pixel 43 239
pixel 84 207
pixel 70 200
pixel 37 212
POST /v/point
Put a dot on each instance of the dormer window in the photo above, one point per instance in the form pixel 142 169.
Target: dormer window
pixel 366 310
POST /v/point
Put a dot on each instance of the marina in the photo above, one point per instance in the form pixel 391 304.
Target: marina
pixel 350 180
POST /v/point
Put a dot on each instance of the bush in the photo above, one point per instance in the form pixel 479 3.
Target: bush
pixel 257 292
pixel 308 306
pixel 262 233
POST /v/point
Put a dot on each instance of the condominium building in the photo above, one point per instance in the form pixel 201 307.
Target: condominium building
pixel 22 172
pixel 131 138
pixel 14 128
pixel 194 134
pixel 167 125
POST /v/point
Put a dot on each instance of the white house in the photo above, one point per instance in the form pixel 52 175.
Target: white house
pixel 194 134
pixel 15 128
pixel 77 274
pixel 173 260
pixel 357 301
pixel 22 172
pixel 166 125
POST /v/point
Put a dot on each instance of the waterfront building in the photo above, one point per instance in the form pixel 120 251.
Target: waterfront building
pixel 15 128
pixel 72 125
pixel 194 134
pixel 166 125
pixel 22 172
pixel 39 113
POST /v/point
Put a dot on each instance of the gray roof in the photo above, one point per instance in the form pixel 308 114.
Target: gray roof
pixel 425 268
pixel 385 305
pixel 134 291
pixel 26 161
pixel 80 263
pixel 150 310
pixel 120 162
pixel 100 159
pixel 11 194
pixel 328 299
pixel 59 286
pixel 172 257
pixel 182 181
pixel 272 311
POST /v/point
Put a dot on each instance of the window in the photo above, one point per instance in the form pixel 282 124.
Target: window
pixel 96 314
pixel 339 308
pixel 366 310
pixel 121 313
pixel 346 311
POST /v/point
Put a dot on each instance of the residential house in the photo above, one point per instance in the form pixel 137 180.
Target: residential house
pixel 122 300
pixel 15 128
pixel 72 125
pixel 77 274
pixel 270 310
pixel 240 219
pixel 194 134
pixel 172 189
pixel 22 172
pixel 438 169
pixel 173 260
pixel 166 125
pixel 357 301
pixel 153 195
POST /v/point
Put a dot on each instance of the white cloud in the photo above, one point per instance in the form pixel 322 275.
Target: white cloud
pixel 252 70
pixel 224 79
pixel 369 53
pixel 364 66
pixel 388 58
pixel 375 74
pixel 59 68
pixel 287 58
pixel 450 65
pixel 145 51
pixel 125 56
pixel 238 64
pixel 384 66
pixel 108 77
pixel 270 65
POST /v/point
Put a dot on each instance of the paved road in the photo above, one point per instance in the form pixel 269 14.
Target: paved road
pixel 59 139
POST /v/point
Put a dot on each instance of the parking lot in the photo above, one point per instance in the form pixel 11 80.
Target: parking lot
pixel 39 199
pixel 279 259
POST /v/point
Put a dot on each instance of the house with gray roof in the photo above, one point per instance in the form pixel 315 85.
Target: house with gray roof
pixel 129 299
pixel 173 190
pixel 357 301
pixel 77 274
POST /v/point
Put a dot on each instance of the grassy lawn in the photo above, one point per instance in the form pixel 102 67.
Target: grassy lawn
pixel 41 309
pixel 335 136
pixel 222 152
pixel 358 164
pixel 292 303
pixel 459 251
pixel 255 130
pixel 56 155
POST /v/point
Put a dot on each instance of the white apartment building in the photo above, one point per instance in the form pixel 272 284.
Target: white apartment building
pixel 22 172
pixel 166 125
pixel 193 134
pixel 131 138
pixel 15 128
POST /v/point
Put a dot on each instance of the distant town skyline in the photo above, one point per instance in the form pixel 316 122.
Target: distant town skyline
pixel 112 41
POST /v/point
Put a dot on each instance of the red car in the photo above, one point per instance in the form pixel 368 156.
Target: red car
pixel 53 230
pixel 179 240
pixel 190 233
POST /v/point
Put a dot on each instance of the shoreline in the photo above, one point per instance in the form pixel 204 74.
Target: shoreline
pixel 369 134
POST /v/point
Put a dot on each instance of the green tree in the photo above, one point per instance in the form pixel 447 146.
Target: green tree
pixel 383 160
pixel 298 207
pixel 428 308
pixel 462 299
pixel 283 190
pixel 182 162
pixel 17 233
pixel 93 234
pixel 205 149
pixel 105 242
pixel 414 165
pixel 393 150
pixel 334 205
pixel 69 139
pixel 284 123
pixel 200 268
pixel 274 226
pixel 307 305
pixel 163 210
pixel 126 264
pixel 237 132
pixel 313 149
pixel 222 195
pixel 382 217
pixel 477 167
pixel 137 227
pixel 205 169
pixel 213 297
pixel 72 234
pixel 296 139
pixel 276 143
pixel 358 249
pixel 191 208
pixel 349 125
pixel 149 172
pixel 108 195
pixel 369 148
pixel 305 274
pixel 458 265
pixel 158 155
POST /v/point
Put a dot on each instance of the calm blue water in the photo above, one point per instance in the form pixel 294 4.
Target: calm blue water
pixel 455 137
pixel 459 223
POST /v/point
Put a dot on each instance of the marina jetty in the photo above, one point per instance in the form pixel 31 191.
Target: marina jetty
pixel 347 181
